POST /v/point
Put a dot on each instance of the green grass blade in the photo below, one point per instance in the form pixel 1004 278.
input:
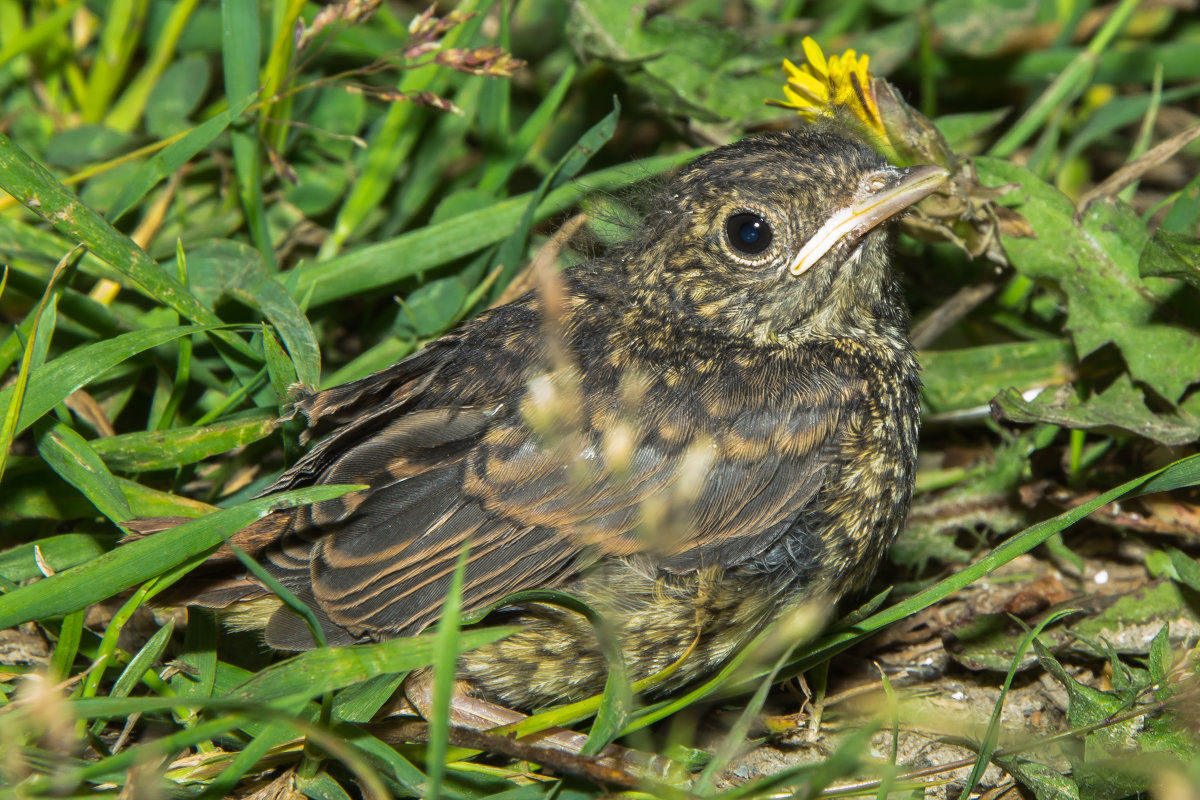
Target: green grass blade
pixel 178 447
pixel 13 398
pixel 499 168
pixel 240 57
pixel 141 560
pixel 173 157
pixel 40 33
pixel 446 640
pixel 315 672
pixel 397 135
pixel 127 111
pixel 34 186
pixel 123 23
pixel 69 455
pixel 511 252
pixel 60 552
pixel 51 383
pixel 379 265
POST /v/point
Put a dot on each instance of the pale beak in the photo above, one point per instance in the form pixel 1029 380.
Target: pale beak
pixel 907 186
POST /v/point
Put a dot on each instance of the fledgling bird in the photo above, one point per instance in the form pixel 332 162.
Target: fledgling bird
pixel 711 421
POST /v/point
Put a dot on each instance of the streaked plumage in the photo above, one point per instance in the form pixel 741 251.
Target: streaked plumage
pixel 689 438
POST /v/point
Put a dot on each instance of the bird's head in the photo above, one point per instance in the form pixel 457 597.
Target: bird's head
pixel 779 238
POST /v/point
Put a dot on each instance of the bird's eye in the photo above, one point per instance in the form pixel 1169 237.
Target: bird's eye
pixel 749 234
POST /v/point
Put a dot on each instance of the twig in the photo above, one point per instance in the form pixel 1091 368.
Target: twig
pixel 948 313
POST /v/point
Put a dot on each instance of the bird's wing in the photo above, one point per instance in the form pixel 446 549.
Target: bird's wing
pixel 380 562
pixel 678 494
pixel 680 485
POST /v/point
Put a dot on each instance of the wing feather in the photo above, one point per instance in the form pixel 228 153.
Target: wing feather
pixel 535 508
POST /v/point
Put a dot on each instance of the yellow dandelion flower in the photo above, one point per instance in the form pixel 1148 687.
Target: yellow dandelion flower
pixel 820 85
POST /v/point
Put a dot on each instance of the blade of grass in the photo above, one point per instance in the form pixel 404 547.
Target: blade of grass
pixel 240 58
pixel 379 265
pixel 247 760
pixel 275 73
pixel 107 649
pixel 173 157
pixel 992 736
pixel 41 192
pixel 315 672
pixel 12 398
pixel 138 666
pixel 51 383
pixel 445 656
pixel 35 37
pixel 126 112
pixel 500 167
pixel 60 552
pixel 1069 84
pixel 511 252
pixel 123 23
pixel 397 135
pixel 495 105
pixel 177 447
pixel 799 624
pixel 68 454
pixel 141 560
pixel 67 646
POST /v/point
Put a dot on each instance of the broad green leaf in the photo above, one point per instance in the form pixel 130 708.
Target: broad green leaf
pixel 176 94
pixel 434 306
pixel 320 787
pixel 1120 407
pixel 319 186
pixel 1046 782
pixel 1129 621
pixel 1172 255
pixel 1094 262
pixel 955 380
pixel 1184 214
pixel 994 642
pixel 961 129
pixel 85 144
pixel 691 67
pixel 1186 569
pixel 1087 705
pixel 981 27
